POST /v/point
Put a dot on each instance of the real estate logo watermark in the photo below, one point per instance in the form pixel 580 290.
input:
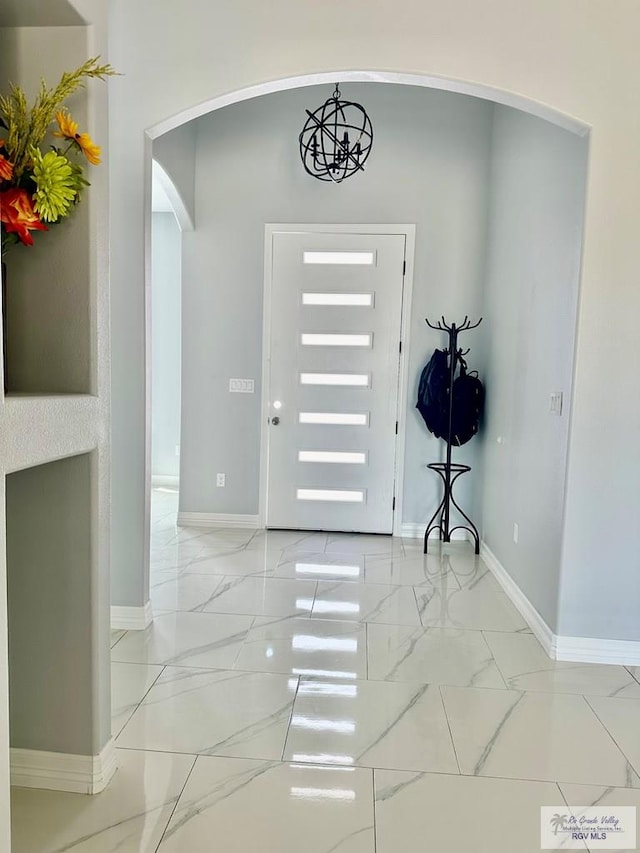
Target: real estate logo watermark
pixel 588 827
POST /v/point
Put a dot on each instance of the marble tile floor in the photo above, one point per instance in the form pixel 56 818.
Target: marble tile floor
pixel 338 694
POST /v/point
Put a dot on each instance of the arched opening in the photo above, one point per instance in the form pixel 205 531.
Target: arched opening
pixel 489 224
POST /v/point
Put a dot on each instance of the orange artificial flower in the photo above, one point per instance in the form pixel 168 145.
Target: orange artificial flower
pixel 69 130
pixel 18 216
pixel 6 167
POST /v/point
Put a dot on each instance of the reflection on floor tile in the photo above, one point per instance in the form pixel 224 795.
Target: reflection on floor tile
pixel 394 605
pixel 526 666
pixel 426 811
pixel 241 806
pixel 215 712
pixel 129 685
pixel 186 639
pixel 237 561
pixel 431 655
pixel 175 557
pixel 413 570
pixel 262 596
pixel 479 608
pixel 554 737
pixel 183 591
pixel 322 567
pixel 370 724
pixel 471 570
pixel 288 542
pixel 359 543
pixel 312 647
pixel 129 816
pixel 622 720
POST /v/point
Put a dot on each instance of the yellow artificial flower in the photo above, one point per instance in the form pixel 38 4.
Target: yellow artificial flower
pixel 69 130
pixel 68 127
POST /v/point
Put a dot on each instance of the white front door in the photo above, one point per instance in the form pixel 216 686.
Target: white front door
pixel 335 310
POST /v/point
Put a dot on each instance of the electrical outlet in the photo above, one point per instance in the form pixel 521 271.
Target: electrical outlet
pixel 220 480
pixel 516 532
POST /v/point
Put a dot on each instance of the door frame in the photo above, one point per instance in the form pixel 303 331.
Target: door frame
pixel 409 233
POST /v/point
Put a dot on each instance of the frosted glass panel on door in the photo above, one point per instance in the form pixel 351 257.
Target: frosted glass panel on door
pixel 349 300
pixel 315 339
pixel 333 456
pixel 335 495
pixel 351 258
pixel 335 418
pixel 356 380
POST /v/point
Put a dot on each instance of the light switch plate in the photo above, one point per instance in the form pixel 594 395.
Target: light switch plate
pixel 555 403
pixel 241 386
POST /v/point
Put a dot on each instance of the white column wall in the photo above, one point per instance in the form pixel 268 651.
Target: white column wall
pixel 44 427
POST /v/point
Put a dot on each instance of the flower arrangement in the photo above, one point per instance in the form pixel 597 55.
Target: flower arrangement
pixel 40 187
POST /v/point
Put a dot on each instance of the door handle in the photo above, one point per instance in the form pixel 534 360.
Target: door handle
pixel 275 421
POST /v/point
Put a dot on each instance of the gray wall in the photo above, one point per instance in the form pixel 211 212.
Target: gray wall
pixel 429 166
pixel 166 333
pixel 52 685
pixel 533 265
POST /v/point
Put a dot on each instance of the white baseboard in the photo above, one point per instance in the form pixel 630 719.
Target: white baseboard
pixel 594 650
pixel 58 771
pixel 165 480
pixel 217 519
pixel 131 618
pixel 557 646
pixel 411 530
pixel 522 604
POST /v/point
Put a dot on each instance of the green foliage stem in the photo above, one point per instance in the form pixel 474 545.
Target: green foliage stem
pixel 28 127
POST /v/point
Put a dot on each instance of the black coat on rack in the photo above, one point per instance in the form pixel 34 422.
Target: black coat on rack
pixel 450 471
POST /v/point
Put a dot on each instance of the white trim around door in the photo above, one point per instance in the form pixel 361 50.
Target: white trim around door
pixel 409 232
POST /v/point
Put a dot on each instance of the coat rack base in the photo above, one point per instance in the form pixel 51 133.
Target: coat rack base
pixel 449 472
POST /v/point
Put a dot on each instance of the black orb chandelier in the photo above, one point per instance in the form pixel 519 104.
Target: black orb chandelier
pixel 336 139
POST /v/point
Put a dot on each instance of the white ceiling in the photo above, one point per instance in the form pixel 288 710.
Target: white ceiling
pixel 38 13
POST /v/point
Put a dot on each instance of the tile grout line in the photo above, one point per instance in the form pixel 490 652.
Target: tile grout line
pixel 564 799
pixel 618 747
pixel 414 681
pixel 415 596
pixel 128 720
pixel 366 650
pixel 375 816
pixel 636 679
pixel 286 737
pixel 496 664
pixel 313 603
pixel 446 716
pixel 164 831
pixel 124 634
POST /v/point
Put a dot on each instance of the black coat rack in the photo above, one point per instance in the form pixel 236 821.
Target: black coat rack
pixel 450 471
